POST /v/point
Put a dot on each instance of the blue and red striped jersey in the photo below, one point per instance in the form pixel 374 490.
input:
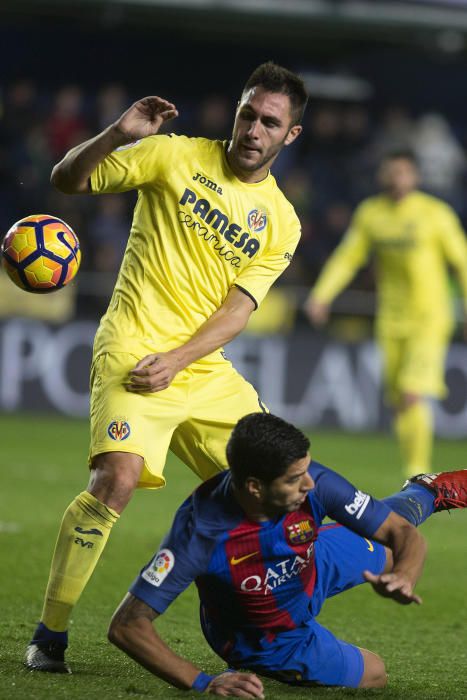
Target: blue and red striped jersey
pixel 255 579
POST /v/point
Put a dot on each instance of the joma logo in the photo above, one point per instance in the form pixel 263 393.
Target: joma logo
pixel 207 183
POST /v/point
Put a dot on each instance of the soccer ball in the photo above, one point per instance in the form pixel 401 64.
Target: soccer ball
pixel 41 253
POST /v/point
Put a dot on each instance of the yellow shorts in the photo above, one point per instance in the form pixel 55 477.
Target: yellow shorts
pixel 414 365
pixel 193 417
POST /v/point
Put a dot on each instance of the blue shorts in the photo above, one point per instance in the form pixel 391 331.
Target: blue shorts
pixel 311 654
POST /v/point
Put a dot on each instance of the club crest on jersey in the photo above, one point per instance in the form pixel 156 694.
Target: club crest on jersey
pixel 257 220
pixel 118 430
pixel 160 567
pixel 300 532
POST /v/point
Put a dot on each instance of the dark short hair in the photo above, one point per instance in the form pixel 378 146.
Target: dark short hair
pixel 400 154
pixel 264 446
pixel 275 78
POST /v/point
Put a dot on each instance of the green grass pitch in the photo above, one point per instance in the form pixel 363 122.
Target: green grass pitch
pixel 42 467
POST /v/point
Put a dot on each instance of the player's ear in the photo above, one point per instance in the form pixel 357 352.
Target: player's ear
pixel 254 487
pixel 294 132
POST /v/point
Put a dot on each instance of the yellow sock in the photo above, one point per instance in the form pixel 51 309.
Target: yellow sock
pixel 414 430
pixel 83 535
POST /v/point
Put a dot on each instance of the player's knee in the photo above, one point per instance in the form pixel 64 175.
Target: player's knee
pixel 114 477
pixel 374 673
pixel 409 399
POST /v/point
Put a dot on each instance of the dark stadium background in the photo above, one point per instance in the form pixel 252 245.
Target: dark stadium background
pixel 377 73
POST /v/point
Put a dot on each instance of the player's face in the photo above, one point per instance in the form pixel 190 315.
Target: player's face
pixel 288 492
pixel 263 125
pixel 398 177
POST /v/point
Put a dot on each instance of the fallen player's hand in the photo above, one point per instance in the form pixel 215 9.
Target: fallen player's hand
pixel 239 685
pixel 153 373
pixel 393 585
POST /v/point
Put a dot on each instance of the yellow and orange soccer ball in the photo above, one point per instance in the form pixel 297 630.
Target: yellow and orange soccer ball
pixel 41 253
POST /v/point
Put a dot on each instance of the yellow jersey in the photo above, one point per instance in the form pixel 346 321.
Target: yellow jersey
pixel 197 231
pixel 413 241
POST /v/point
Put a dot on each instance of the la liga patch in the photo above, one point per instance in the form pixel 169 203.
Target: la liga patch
pixel 159 568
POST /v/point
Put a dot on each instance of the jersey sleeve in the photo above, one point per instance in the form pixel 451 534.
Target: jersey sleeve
pixel 182 556
pixel 346 504
pixel 344 262
pixel 259 276
pixel 137 164
pixel 454 246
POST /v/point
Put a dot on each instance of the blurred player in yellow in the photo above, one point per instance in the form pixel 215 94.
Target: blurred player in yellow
pixel 414 239
pixel 211 232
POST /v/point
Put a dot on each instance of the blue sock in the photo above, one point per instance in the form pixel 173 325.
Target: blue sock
pixel 43 634
pixel 415 503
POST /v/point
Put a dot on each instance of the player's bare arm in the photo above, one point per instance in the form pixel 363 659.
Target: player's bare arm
pixel 144 118
pixel 155 372
pixel 132 631
pixel 408 549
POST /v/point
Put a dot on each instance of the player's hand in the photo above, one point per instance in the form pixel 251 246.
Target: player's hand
pixel 393 585
pixel 316 311
pixel 153 373
pixel 240 685
pixel 145 118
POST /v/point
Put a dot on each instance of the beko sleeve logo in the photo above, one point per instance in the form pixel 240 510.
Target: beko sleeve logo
pixel 358 505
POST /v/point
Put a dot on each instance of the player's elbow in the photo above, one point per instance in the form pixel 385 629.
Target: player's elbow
pixel 240 315
pixel 409 533
pixel 233 322
pixel 421 542
pixel 120 633
pixel 239 323
pixel 114 633
pixel 61 180
pixel 57 178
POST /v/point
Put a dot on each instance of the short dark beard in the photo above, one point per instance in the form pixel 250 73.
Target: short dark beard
pixel 262 163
